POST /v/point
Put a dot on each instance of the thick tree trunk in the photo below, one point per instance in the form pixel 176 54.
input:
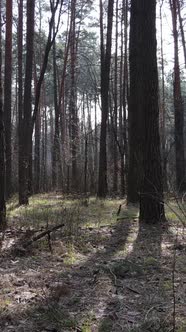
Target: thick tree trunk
pixel 8 95
pixel 143 60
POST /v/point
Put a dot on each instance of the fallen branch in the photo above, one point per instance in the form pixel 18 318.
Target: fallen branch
pixel 119 210
pixel 41 235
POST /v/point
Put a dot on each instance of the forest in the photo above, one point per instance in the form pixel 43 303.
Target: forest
pixel 92 165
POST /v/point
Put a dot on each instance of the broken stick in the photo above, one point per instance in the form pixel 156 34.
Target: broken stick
pixel 39 236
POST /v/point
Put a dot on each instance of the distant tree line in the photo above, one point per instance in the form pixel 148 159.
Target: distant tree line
pixel 82 114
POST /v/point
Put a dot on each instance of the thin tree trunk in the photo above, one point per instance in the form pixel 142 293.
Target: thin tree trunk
pixel 27 107
pixel 115 152
pixel 56 147
pixel 163 109
pixel 45 147
pixel 20 99
pixel 125 96
pixel 182 31
pixel 135 121
pixel 85 164
pixel 96 145
pixel 121 138
pixel 8 95
pixel 37 140
pixel 73 106
pixel 2 143
pixel 178 108
pixel 37 153
pixel 105 73
pixel 37 179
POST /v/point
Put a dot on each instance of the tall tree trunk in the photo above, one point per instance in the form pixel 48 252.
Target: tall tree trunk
pixel 8 95
pixel 73 106
pixel 143 65
pixel 105 73
pixel 27 107
pixel 163 108
pixel 46 151
pixel 2 143
pixel 125 91
pixel 182 31
pixel 121 136
pixel 115 152
pixel 37 137
pixel 20 99
pixel 56 146
pixel 135 121
pixel 178 108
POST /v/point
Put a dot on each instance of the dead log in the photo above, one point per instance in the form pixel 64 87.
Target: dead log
pixel 41 235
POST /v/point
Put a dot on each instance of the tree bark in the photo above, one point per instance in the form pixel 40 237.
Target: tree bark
pixel 163 109
pixel 8 96
pixel 56 146
pixel 27 106
pixel 105 73
pixel 135 121
pixel 182 30
pixel 178 108
pixel 73 97
pixel 2 144
pixel 143 67
pixel 20 98
pixel 115 151
pixel 124 166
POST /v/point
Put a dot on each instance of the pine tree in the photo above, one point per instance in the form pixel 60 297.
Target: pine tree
pixel 144 101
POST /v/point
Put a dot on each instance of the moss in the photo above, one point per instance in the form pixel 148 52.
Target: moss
pixel 86 327
pixel 167 285
pixel 71 255
pixel 150 261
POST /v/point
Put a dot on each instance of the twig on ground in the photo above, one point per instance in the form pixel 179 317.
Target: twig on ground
pixel 39 236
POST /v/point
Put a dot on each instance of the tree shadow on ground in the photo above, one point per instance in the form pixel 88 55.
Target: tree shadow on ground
pixel 78 293
pixel 143 279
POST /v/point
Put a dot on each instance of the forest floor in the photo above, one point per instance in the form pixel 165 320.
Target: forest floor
pixel 98 273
